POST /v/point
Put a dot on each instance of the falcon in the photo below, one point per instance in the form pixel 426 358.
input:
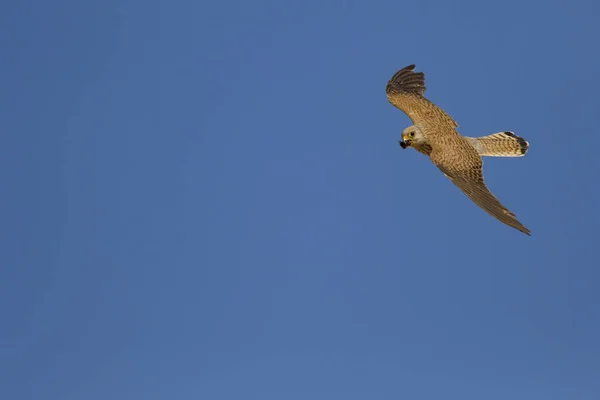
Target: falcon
pixel 434 134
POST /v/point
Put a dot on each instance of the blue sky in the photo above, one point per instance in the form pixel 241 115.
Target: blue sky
pixel 207 200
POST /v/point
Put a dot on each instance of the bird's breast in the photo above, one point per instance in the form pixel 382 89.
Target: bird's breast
pixel 424 148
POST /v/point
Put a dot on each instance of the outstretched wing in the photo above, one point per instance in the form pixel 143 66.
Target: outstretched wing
pixel 468 176
pixel 405 90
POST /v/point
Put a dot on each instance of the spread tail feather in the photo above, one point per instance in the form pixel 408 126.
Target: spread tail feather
pixel 501 144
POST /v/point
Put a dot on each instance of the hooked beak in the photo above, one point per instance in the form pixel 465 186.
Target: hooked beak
pixel 404 143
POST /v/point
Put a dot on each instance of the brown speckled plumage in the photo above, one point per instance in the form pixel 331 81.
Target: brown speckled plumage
pixel 457 156
pixel 501 144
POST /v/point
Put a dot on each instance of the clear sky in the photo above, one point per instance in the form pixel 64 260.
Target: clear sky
pixel 207 200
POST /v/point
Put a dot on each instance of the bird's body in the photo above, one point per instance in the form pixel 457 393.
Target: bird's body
pixel 434 134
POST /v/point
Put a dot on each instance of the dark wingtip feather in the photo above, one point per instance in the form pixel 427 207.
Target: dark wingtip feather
pixel 408 81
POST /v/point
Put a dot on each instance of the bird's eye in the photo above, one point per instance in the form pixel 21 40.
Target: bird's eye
pixel 412 134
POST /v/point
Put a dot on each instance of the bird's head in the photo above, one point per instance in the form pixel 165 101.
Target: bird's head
pixel 411 136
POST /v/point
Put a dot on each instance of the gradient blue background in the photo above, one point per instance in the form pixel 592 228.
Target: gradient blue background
pixel 207 200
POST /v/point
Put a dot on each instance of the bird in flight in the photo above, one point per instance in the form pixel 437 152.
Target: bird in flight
pixel 458 157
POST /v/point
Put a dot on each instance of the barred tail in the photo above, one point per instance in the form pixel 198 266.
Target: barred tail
pixel 501 144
